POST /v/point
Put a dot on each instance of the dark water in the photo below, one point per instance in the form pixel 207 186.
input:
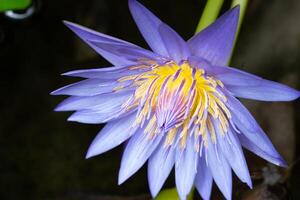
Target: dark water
pixel 42 155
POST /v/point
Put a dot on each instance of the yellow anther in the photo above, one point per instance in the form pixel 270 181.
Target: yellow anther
pixel 150 125
pixel 170 137
pixel 118 88
pixel 212 131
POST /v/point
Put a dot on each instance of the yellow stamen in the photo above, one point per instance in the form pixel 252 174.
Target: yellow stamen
pixel 197 99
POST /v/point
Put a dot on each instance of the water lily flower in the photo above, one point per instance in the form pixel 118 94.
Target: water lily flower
pixel 176 105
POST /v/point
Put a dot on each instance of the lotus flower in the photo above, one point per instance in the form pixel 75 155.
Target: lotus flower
pixel 175 105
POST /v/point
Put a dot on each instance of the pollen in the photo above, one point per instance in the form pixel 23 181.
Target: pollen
pixel 179 101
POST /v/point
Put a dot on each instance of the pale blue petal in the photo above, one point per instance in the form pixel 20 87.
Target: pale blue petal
pixel 113 134
pixel 99 116
pixel 215 43
pixel 232 150
pixel 245 85
pixel 249 127
pixel 104 102
pixel 265 91
pixel 219 168
pixel 160 165
pixel 137 151
pixel 203 181
pixel 89 87
pixel 108 73
pixel 185 168
pixel 253 147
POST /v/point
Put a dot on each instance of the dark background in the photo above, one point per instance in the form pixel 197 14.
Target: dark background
pixel 42 155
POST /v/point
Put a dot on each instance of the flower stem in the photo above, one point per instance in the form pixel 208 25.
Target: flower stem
pixel 243 6
pixel 210 13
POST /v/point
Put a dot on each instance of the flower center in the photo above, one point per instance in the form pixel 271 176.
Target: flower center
pixel 179 100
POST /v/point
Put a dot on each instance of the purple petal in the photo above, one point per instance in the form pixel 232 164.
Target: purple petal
pixel 232 150
pixel 109 54
pixel 132 53
pixel 249 127
pixel 102 102
pixel 99 116
pixel 177 48
pixel 251 146
pixel 203 179
pixel 148 25
pixel 89 87
pixel 160 165
pixel 215 43
pixel 246 85
pixel 201 63
pixel 137 151
pixel 219 168
pixel 108 73
pixel 186 168
pixel 228 75
pixel 112 135
pixel 265 91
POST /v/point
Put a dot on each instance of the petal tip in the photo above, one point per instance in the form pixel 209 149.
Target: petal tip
pixel 282 163
pixel 228 194
pixel 278 160
pixel 154 189
pixel 58 108
pixel 69 24
pixel 56 92
pixel 235 12
pixel 66 22
pixel 95 150
pixel 124 173
pixel 90 153
pixel 73 118
pixel 66 73
pixel 154 192
pixel 131 2
pixel 121 178
pixel 88 156
pixel 237 8
pixel 249 183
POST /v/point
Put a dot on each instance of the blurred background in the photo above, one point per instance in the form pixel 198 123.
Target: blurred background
pixel 42 155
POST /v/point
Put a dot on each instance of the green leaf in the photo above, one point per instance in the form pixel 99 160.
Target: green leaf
pixel 14 4
pixel 171 194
